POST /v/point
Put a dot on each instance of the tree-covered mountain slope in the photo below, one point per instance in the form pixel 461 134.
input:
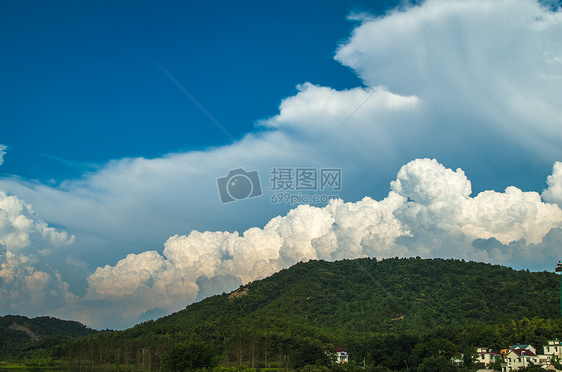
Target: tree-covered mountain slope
pixel 366 296
pixel 393 314
pixel 20 334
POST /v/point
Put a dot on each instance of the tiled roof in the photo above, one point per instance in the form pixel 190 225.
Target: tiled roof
pixel 520 346
pixel 524 352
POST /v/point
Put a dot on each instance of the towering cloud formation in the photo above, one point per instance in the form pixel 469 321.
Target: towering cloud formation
pixel 553 194
pixel 27 285
pixel 458 55
pixel 428 212
pixel 478 87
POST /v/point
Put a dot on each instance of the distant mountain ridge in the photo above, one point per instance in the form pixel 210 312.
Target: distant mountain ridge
pixel 17 331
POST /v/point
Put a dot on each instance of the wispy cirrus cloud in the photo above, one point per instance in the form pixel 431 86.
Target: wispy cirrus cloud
pixel 3 149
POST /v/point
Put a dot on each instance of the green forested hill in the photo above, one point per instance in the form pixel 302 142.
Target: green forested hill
pixel 367 296
pixel 380 310
pixel 393 314
pixel 25 336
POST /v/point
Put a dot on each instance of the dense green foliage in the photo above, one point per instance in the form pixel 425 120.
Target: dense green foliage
pixel 189 356
pixel 369 296
pixel 37 337
pixel 440 363
pixel 394 314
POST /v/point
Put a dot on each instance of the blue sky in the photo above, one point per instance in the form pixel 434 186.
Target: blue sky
pixel 83 84
pixel 442 117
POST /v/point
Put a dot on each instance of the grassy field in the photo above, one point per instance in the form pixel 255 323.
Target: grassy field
pixel 6 366
pixel 13 367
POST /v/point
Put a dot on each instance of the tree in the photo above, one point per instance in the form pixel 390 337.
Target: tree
pixel 378 369
pixel 310 354
pixel 346 367
pixel 555 361
pixel 497 365
pixel 532 368
pixel 314 368
pixel 468 357
pixel 440 364
pixel 190 356
pixel 432 347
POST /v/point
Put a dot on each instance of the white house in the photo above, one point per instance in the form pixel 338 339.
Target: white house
pixel 554 347
pixel 341 355
pixel 486 356
pixel 519 358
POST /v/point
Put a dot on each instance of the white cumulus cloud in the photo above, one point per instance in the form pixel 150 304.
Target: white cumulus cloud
pixel 498 59
pixel 28 285
pixel 477 87
pixel 477 84
pixel 428 212
pixel 553 194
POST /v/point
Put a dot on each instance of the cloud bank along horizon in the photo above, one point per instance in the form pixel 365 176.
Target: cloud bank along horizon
pixel 477 88
pixel 428 212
